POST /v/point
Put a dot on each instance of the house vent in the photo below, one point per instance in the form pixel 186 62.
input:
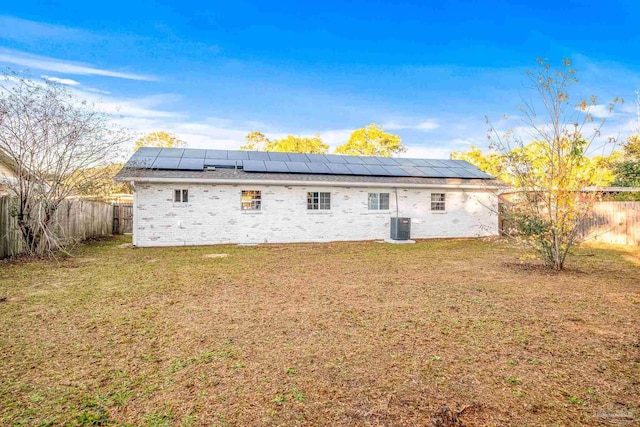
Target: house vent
pixel 211 168
pixel 400 228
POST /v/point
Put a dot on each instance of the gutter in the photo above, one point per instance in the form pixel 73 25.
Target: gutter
pixel 307 183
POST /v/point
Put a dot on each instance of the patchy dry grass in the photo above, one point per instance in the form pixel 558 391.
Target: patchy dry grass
pixel 326 334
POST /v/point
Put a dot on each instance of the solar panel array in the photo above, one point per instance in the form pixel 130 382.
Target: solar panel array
pixel 188 159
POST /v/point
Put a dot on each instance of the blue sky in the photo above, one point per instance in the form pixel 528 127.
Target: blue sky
pixel 428 71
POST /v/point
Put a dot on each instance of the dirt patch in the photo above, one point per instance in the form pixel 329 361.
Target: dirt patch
pixel 214 256
pixel 125 246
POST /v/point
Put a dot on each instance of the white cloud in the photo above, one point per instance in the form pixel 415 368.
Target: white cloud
pixel 336 137
pixel 599 111
pixel 14 57
pixel 20 29
pixel 422 152
pixel 425 125
pixel 68 82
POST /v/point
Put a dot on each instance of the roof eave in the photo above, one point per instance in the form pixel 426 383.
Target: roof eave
pixel 484 184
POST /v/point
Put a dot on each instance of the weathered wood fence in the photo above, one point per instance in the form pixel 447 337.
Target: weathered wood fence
pixel 608 222
pixel 76 220
pixel 613 222
pixel 122 218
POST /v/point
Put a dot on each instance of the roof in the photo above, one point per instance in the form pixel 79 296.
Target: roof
pixel 8 162
pixel 166 164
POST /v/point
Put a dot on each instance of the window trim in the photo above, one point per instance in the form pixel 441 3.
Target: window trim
pixel 378 200
pixel 180 195
pixel 313 200
pixel 440 201
pixel 255 203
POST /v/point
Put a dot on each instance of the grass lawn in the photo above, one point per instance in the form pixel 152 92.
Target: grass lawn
pixel 320 334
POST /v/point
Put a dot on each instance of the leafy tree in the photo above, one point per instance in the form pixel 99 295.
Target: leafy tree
pixel 628 169
pixel 257 141
pixel 297 144
pixel 103 185
pixel 160 139
pixel 372 141
pixel 58 143
pixel 492 163
pixel 595 170
pixel 549 181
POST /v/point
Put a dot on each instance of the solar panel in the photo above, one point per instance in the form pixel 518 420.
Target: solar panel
pixel 476 173
pixel 438 163
pixel 171 152
pixel 358 169
pixel 334 158
pixel 317 158
pixel 260 161
pixel 254 166
pixel 388 161
pixel 318 167
pixel 369 160
pixel 224 163
pixel 258 155
pixel 395 171
pixel 463 173
pixel 413 171
pixel 276 167
pixel 141 162
pixel 216 154
pixel 354 160
pixel 194 153
pixel 191 164
pixel 147 151
pixel 278 157
pixel 450 173
pixel 427 162
pixel 238 155
pixel 298 157
pixel 376 170
pixel 452 163
pixel 431 172
pixel 298 167
pixel 405 162
pixel 166 163
pixel 338 169
pixel 420 162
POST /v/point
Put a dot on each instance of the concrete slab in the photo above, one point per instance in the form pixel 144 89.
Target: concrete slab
pixel 399 242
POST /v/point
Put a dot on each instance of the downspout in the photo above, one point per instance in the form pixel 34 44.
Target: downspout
pixel 135 217
pixel 395 189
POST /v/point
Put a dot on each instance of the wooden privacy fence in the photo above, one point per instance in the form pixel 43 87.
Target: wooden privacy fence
pixel 122 218
pixel 612 222
pixel 76 220
pixel 608 222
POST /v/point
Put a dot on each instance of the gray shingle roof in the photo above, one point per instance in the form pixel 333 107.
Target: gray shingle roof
pixel 240 175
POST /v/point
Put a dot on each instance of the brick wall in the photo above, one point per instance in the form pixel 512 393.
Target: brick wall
pixel 213 215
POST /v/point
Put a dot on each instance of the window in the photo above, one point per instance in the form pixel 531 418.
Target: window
pixel 378 201
pixel 251 200
pixel 316 200
pixel 437 201
pixel 181 196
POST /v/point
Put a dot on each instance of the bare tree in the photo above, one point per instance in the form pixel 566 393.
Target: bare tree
pixel 546 156
pixel 56 143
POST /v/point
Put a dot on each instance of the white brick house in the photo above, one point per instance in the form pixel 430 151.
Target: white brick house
pixel 223 202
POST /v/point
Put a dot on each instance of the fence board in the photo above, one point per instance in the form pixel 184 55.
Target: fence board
pixel 75 220
pixel 122 218
pixel 612 222
pixel 608 222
